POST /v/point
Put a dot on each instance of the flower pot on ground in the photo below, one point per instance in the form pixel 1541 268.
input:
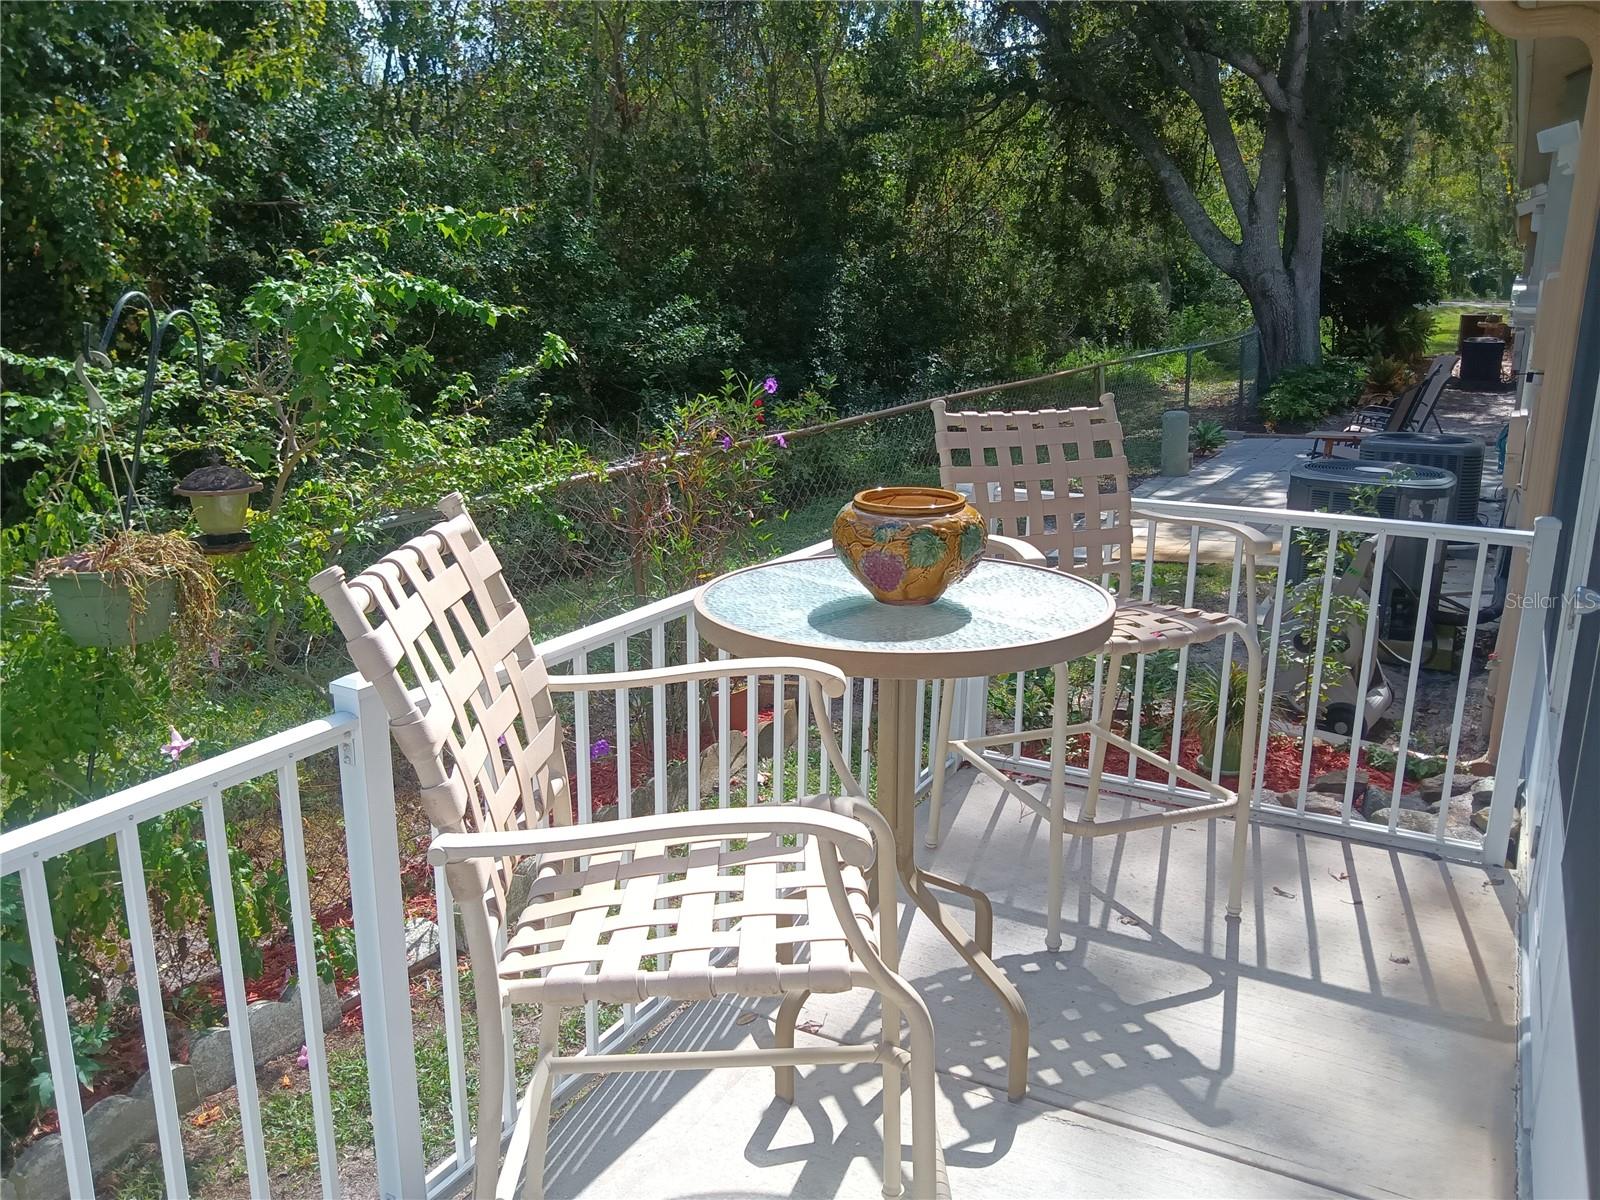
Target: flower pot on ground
pixel 739 703
pixel 132 587
pixel 220 497
pixel 1201 712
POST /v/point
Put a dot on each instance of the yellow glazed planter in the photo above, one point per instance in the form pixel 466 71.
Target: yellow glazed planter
pixel 908 544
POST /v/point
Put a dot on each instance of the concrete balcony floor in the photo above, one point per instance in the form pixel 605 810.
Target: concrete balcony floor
pixel 1354 1035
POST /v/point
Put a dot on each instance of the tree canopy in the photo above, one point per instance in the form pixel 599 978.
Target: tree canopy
pixel 890 194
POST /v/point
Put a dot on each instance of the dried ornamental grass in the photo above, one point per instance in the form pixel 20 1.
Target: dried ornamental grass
pixel 134 559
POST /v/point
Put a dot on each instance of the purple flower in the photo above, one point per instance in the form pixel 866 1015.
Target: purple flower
pixel 770 384
pixel 882 570
pixel 176 744
pixel 782 441
pixel 727 442
pixel 599 749
pixel 303 1059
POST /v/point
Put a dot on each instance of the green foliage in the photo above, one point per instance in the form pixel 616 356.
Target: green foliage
pixel 1376 274
pixel 1305 394
pixel 1389 375
pixel 1207 437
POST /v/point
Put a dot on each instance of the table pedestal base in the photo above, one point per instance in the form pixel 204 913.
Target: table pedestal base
pixel 897 759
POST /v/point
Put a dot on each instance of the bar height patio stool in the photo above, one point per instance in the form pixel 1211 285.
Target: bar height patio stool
pixel 1057 479
pixel 768 900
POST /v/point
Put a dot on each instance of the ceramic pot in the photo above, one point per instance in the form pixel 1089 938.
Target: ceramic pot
pixel 908 544
pixel 97 610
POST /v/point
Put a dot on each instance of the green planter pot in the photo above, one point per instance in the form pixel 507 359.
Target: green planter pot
pixel 1231 744
pixel 97 611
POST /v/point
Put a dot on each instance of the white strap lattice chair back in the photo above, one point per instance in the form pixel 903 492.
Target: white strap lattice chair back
pixel 1055 478
pixel 468 699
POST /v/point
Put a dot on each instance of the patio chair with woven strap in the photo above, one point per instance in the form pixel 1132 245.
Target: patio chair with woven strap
pixel 1058 480
pixel 1411 410
pixel 769 900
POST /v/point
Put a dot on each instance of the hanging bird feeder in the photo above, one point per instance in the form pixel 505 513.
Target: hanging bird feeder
pixel 220 497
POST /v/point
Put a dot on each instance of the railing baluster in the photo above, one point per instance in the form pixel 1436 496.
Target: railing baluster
pixel 724 732
pixel 752 736
pixel 691 654
pixel 1226 670
pixel 302 922
pixel 778 744
pixel 1476 599
pixel 231 961
pixel 57 1028
pixel 1314 685
pixel 624 748
pixel 1180 694
pixel 802 740
pixel 450 987
pixel 1423 603
pixel 580 732
pixel 866 731
pixel 1363 683
pixel 658 716
pixel 1270 660
pixel 147 975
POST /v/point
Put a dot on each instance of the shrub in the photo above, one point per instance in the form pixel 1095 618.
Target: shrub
pixel 1207 437
pixel 1306 393
pixel 1376 274
pixel 1388 374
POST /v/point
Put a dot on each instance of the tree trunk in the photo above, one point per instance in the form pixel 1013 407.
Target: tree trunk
pixel 1273 302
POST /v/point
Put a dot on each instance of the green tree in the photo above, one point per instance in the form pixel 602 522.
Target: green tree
pixel 1276 93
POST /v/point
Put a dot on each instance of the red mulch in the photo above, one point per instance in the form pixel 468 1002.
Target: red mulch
pixel 1282 768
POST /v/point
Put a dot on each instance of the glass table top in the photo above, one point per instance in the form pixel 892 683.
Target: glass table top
pixel 814 606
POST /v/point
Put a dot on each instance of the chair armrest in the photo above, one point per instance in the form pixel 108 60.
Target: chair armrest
pixel 1014 550
pixel 852 838
pixel 1253 540
pixel 830 679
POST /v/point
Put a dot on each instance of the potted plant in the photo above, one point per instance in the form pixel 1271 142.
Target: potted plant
pixel 220 497
pixel 1204 707
pixel 129 588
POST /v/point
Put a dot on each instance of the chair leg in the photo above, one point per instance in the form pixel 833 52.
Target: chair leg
pixel 1058 810
pixel 941 751
pixel 924 1130
pixel 1102 721
pixel 491 1098
pixel 892 1185
pixel 1247 755
pixel 540 1089
pixel 783 1039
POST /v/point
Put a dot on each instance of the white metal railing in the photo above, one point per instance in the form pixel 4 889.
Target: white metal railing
pixel 675 769
pixel 28 852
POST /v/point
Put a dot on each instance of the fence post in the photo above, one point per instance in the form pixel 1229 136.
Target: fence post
pixel 366 783
pixel 1188 376
pixel 1099 381
pixel 1524 707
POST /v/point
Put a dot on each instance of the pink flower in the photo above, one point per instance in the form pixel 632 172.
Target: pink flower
pixel 770 384
pixel 176 744
pixel 303 1060
pixel 727 442
pixel 782 441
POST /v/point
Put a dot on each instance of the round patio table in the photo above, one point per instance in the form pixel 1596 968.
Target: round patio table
pixel 1003 617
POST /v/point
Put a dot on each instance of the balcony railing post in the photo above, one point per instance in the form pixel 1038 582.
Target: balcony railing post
pixel 366 780
pixel 1523 703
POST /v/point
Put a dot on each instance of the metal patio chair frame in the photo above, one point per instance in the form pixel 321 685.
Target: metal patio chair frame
pixel 769 900
pixel 1059 482
pixel 1410 411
